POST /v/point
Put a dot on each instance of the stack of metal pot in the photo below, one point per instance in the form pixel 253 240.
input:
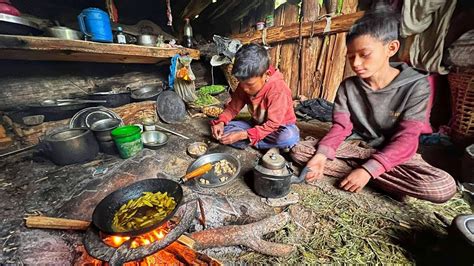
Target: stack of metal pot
pixel 69 146
pixel 102 129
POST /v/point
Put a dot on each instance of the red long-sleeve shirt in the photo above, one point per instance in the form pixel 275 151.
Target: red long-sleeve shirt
pixel 270 108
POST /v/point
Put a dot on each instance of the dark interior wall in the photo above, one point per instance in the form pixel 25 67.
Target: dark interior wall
pixel 23 82
pixel 27 82
pixel 66 11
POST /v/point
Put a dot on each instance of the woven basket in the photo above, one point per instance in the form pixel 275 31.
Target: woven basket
pixel 461 82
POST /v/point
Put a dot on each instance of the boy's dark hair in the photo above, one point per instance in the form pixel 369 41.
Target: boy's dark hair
pixel 381 24
pixel 251 60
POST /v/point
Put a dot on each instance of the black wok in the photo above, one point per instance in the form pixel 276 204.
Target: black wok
pixel 104 212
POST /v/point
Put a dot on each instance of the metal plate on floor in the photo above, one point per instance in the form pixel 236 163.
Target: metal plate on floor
pixel 170 107
pixel 214 180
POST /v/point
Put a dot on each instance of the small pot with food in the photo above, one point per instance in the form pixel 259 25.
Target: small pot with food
pixel 197 149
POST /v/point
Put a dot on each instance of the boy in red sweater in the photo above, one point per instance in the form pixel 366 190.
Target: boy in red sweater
pixel 387 106
pixel 268 98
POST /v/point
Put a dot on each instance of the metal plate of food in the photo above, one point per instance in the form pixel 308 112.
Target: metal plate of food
pixel 225 168
pixel 87 116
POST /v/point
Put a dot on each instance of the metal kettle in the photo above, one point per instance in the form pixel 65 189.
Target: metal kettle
pixel 272 176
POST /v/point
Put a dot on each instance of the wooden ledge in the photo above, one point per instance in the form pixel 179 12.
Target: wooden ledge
pixel 52 49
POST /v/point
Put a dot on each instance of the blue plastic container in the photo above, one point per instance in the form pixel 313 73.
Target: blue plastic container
pixel 95 24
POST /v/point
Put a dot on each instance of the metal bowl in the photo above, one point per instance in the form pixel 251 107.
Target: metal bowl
pixel 212 158
pixel 154 139
pixel 147 40
pixel 102 128
pixel 147 93
pixel 64 33
pixel 193 149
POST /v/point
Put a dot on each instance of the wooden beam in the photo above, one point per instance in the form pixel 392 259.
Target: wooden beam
pixel 52 49
pixel 195 7
pixel 340 23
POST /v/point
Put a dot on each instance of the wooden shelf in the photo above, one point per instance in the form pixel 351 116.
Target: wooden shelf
pixel 52 49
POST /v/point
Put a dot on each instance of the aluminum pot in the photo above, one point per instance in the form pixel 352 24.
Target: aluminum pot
pixel 69 146
pixel 102 128
pixel 147 40
pixel 64 33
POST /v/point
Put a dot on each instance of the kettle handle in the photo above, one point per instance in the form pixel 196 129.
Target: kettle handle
pixel 298 179
pixel 82 24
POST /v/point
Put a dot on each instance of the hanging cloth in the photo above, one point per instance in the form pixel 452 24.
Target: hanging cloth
pixel 168 13
pixel 428 21
pixel 112 9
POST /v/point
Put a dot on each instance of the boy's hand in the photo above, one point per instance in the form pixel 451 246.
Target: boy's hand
pixel 356 180
pixel 316 167
pixel 234 137
pixel 218 130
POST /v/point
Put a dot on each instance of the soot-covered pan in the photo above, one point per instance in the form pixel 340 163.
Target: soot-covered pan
pixel 104 212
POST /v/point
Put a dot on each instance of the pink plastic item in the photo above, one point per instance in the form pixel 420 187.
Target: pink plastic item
pixel 7 8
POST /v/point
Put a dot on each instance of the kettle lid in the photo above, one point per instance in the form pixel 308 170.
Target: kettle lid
pixel 273 160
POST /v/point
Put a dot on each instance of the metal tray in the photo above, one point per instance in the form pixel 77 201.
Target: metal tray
pixel 87 116
pixel 170 107
pixel 15 25
pixel 214 180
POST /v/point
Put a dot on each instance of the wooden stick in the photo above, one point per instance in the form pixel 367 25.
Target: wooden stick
pixel 44 222
pixel 248 235
pixel 340 23
pixel 56 223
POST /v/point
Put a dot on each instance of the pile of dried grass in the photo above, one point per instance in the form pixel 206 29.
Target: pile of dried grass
pixel 359 228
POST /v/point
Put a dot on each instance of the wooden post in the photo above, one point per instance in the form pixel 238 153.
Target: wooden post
pixel 276 49
pixel 310 49
pixel 336 64
pixel 289 64
pixel 336 59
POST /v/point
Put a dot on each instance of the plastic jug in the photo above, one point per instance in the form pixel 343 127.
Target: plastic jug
pixel 95 24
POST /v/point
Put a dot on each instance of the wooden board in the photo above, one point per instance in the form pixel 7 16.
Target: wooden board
pixel 309 50
pixel 340 23
pixel 52 49
pixel 289 51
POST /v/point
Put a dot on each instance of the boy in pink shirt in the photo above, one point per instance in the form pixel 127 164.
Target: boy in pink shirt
pixel 268 98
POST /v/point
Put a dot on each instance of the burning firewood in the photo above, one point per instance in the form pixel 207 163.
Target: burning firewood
pixel 249 235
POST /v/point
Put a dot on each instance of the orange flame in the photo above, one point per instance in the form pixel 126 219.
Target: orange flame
pixel 142 240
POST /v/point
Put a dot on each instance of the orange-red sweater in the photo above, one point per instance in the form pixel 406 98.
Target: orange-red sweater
pixel 270 108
